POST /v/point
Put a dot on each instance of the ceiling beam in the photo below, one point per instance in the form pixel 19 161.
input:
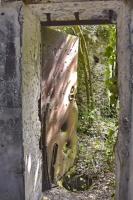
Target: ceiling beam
pixel 77 12
pixel 60 1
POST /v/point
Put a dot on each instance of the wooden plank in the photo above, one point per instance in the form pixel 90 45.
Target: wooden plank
pixel 98 10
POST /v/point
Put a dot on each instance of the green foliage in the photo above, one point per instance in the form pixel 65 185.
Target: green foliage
pixel 111 70
pixel 101 42
pixel 110 145
pixel 85 120
pixel 97 96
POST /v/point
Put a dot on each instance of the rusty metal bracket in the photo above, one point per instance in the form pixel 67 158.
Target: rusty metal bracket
pixel 48 17
pixel 76 14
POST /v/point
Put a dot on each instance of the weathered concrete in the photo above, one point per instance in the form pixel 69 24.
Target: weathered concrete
pixel 89 12
pixel 56 1
pixel 30 97
pixel 19 94
pixel 11 149
pixel 124 151
pixel 129 144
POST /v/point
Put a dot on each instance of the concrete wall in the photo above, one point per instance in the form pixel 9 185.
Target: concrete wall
pixel 124 150
pixel 19 94
pixel 11 149
pixel 30 97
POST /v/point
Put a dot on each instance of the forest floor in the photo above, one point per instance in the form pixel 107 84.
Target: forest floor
pixel 90 163
pixel 100 190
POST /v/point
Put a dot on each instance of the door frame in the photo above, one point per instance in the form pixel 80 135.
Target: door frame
pixel 106 12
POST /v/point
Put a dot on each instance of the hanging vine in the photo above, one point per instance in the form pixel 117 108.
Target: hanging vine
pixel 86 65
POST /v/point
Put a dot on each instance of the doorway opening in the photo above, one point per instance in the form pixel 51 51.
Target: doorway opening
pixel 91 149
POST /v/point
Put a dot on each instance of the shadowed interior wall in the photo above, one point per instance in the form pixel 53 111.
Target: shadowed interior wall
pixel 30 97
pixel 11 149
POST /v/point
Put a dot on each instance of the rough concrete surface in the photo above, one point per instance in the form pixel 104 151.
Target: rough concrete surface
pixel 11 150
pixel 30 97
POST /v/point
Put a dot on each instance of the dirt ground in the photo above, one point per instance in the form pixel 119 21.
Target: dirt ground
pixel 101 189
